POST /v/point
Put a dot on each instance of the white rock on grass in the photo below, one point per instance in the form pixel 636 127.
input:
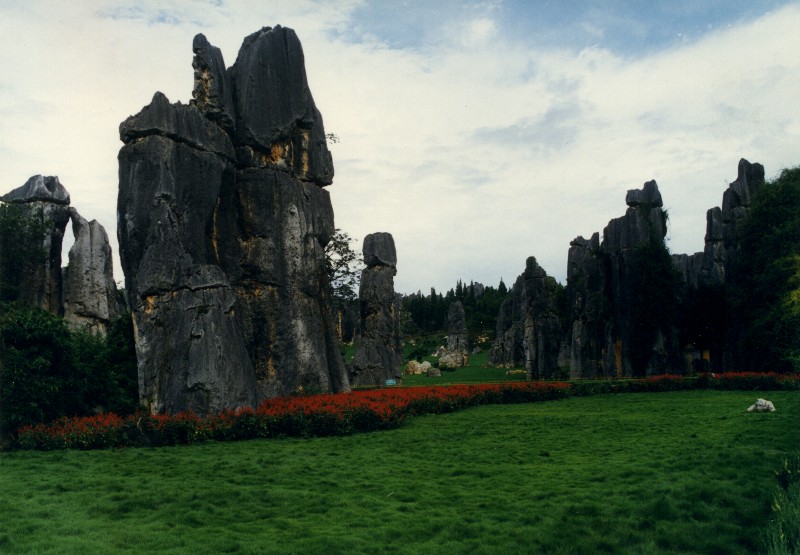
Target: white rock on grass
pixel 762 405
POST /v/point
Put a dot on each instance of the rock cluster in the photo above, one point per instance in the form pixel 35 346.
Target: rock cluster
pixel 457 353
pixel 528 328
pixel 707 274
pixel 713 266
pixel 222 226
pixel 415 368
pixel 84 292
pixel 378 349
pixel 604 287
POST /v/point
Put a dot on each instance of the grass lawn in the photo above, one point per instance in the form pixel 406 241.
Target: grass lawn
pixel 635 473
pixel 476 372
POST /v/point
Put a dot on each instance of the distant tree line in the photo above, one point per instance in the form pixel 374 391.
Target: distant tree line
pixel 428 313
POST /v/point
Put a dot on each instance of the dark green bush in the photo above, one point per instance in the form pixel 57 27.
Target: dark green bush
pixel 48 371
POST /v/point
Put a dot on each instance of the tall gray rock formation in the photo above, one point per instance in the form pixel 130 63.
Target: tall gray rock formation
pixel 378 349
pixel 589 307
pixel 44 200
pixel 222 227
pixel 457 354
pixel 84 292
pixel 612 292
pixel 707 274
pixel 528 326
pixel 457 339
pixel 90 293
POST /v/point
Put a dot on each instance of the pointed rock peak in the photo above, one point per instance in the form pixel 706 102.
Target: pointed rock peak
pixel 212 87
pixel 276 119
pixel 647 196
pixel 752 174
pixel 39 188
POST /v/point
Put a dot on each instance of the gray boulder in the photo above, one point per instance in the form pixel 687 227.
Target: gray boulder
pixel 379 249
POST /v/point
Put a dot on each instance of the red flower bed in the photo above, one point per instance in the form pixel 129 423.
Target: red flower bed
pixel 316 415
pixel 757 381
pixel 347 413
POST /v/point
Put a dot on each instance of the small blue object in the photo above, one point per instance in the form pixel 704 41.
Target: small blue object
pixel 391 382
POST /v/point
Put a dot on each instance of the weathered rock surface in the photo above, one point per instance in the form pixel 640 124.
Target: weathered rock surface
pixel 706 275
pixel 604 287
pixel 277 123
pixel 457 339
pixel 84 292
pixel 90 293
pixel 222 227
pixel 379 351
pixel 528 329
pixel 417 368
pixel 213 94
pixel 45 201
pixel 39 188
pixel 588 306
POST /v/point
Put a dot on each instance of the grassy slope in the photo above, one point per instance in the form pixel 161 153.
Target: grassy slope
pixel 636 473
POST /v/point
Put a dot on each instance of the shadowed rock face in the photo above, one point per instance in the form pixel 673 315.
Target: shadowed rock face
pixel 378 349
pixel 45 200
pixel 528 332
pixel 457 340
pixel 222 228
pixel 602 284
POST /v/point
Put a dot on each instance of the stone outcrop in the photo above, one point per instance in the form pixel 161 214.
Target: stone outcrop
pixel 457 339
pixel 589 307
pixel 415 368
pixel 222 227
pixel 608 293
pixel 90 293
pixel 457 354
pixel 378 349
pixel 707 274
pixel 713 266
pixel 84 292
pixel 45 201
pixel 528 328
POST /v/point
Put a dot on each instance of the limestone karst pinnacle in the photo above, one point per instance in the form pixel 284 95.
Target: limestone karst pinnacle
pixel 222 227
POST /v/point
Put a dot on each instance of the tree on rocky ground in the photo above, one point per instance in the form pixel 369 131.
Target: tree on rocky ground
pixel 343 265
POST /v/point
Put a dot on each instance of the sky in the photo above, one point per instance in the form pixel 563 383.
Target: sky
pixel 476 133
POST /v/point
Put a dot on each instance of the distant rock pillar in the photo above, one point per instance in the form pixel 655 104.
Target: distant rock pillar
pixel 378 353
pixel 457 343
pixel 90 294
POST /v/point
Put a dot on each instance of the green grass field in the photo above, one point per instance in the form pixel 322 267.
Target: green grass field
pixel 634 473
pixel 476 372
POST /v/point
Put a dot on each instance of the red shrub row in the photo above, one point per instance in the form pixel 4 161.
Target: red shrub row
pixel 347 413
pixel 316 415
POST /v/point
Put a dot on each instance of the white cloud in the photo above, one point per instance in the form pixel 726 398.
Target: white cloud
pixel 474 151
